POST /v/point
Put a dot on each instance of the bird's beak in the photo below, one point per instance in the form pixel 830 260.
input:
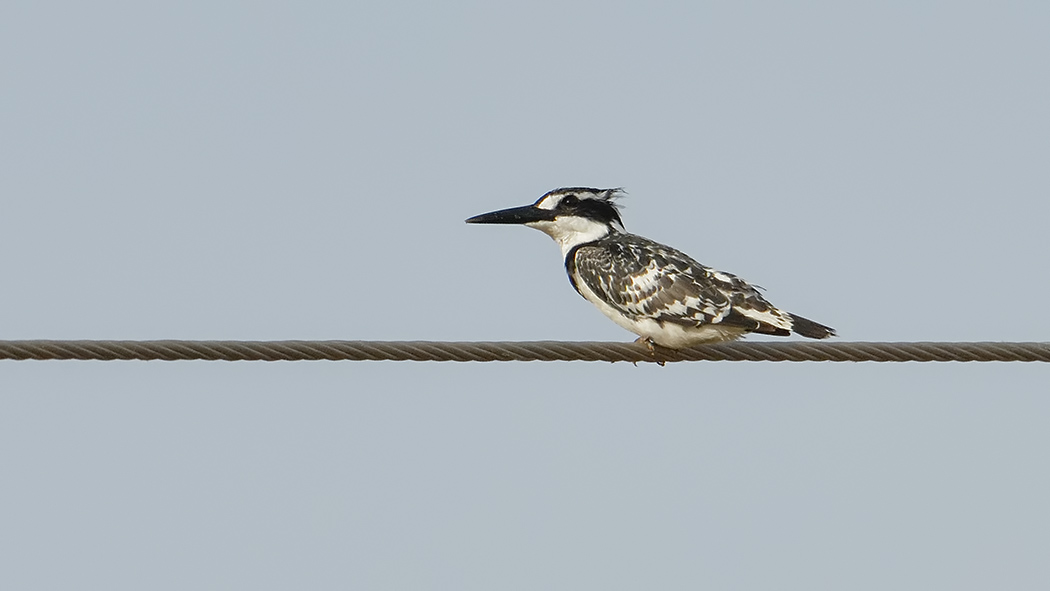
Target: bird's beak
pixel 514 215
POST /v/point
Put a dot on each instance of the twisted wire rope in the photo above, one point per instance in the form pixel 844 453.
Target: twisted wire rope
pixel 173 350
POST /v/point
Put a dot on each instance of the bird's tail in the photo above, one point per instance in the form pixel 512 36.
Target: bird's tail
pixel 808 328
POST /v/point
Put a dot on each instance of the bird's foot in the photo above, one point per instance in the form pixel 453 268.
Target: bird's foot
pixel 652 346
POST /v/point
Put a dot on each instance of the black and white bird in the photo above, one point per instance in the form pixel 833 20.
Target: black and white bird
pixel 652 290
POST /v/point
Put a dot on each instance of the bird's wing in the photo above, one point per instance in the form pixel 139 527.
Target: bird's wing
pixel 642 278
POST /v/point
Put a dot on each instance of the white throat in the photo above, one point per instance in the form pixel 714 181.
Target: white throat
pixel 571 231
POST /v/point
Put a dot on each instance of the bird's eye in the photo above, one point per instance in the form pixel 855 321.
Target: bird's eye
pixel 570 200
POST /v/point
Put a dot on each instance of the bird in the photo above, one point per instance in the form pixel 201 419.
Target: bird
pixel 657 292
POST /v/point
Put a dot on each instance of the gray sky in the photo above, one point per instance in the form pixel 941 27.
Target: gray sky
pixel 226 170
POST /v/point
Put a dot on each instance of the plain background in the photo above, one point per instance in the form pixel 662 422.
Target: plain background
pixel 266 170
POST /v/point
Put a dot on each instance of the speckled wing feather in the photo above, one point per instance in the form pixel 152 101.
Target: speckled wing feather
pixel 642 278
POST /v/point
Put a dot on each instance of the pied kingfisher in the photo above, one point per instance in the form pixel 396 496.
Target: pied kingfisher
pixel 652 290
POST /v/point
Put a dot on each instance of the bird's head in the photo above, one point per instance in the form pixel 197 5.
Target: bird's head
pixel 571 216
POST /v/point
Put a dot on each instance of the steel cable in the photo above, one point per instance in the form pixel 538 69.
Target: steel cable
pixel 170 350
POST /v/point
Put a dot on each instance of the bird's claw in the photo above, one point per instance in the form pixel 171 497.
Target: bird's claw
pixel 652 346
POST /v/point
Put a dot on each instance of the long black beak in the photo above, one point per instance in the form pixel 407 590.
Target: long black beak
pixel 514 215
